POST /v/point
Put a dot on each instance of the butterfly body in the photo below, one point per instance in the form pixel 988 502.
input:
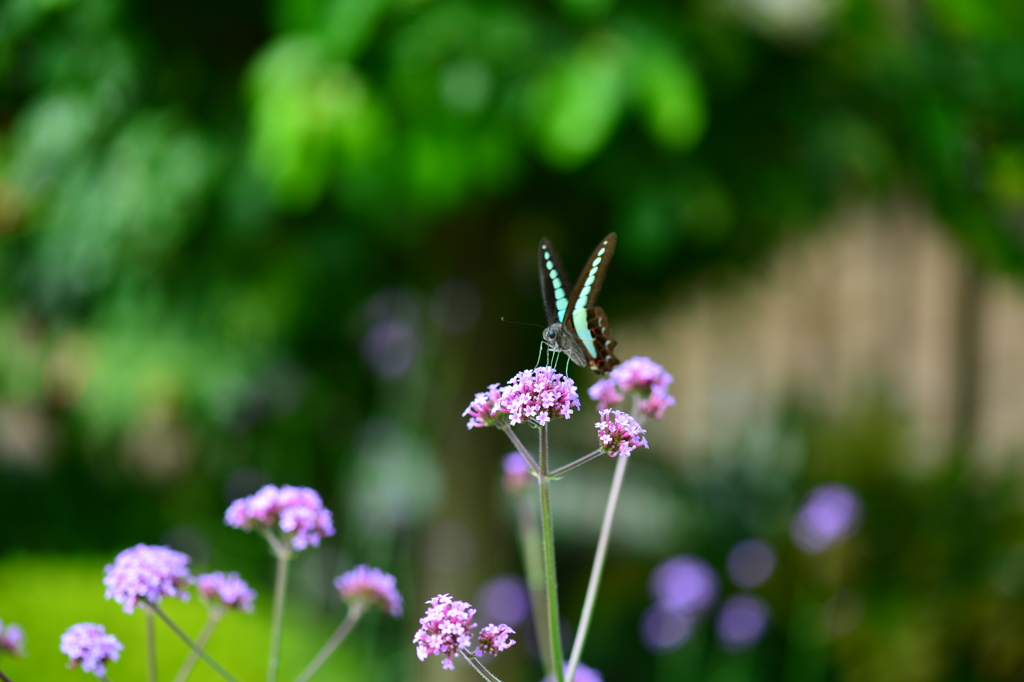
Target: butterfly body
pixel 576 326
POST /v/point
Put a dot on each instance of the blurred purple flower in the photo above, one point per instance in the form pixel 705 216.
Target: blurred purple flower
pixel 505 598
pixel 372 586
pixel 662 631
pixel 655 404
pixel 683 584
pixel 297 511
pixel 228 589
pixel 829 513
pixel 89 647
pixel 606 393
pixel 742 621
pixel 750 563
pixel 445 629
pixel 494 639
pixel 639 373
pixel 584 673
pixel 12 639
pixel 619 434
pixel 390 347
pixel 515 472
pixel 485 410
pixel 537 395
pixel 147 572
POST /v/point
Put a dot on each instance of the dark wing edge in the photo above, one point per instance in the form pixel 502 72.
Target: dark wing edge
pixel 547 289
pixel 608 244
pixel 597 322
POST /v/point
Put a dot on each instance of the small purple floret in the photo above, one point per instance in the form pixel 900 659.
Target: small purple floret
pixel 12 639
pixel 515 472
pixel 89 647
pixel 656 403
pixel 640 374
pixel 228 589
pixel 484 410
pixel 537 395
pixel 147 572
pixel 297 511
pixel 829 513
pixel 619 433
pixel 606 393
pixel 372 586
pixel 494 639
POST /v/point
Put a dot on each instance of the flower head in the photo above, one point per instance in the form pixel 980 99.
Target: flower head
pixel 147 572
pixel 12 639
pixel 445 629
pixel 89 647
pixel 298 512
pixel 684 584
pixel 537 395
pixel 371 586
pixel 494 639
pixel 829 513
pixel 742 621
pixel 656 403
pixel 515 472
pixel 228 589
pixel 639 373
pixel 619 433
pixel 606 393
pixel 584 673
pixel 485 410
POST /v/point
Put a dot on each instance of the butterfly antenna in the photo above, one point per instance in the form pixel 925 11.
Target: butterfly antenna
pixel 528 324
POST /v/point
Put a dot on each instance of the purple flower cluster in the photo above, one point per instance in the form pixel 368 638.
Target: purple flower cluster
pixel 619 434
pixel 515 472
pixel 636 374
pixel 372 586
pixel 147 572
pixel 297 511
pixel 447 627
pixel 830 513
pixel 12 639
pixel 584 673
pixel 494 639
pixel 537 395
pixel 89 647
pixel 485 409
pixel 228 589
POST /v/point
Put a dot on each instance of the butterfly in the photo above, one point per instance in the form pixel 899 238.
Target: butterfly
pixel 576 326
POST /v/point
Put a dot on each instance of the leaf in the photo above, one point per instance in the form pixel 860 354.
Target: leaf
pixel 670 96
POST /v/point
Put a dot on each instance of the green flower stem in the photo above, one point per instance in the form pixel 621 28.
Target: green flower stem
pixel 277 620
pixel 351 618
pixel 102 677
pixel 521 448
pixel 192 645
pixel 151 645
pixel 4 677
pixel 533 569
pixel 579 462
pixel 598 567
pixel 548 551
pixel 216 613
pixel 478 666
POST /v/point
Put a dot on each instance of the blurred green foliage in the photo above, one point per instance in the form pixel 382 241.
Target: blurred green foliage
pixel 207 207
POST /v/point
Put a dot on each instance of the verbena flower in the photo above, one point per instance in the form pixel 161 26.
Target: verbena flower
pixel 640 374
pixel 684 584
pixel 297 511
pixel 537 395
pixel 494 639
pixel 445 629
pixel 88 646
pixel 742 621
pixel 584 673
pixel 619 433
pixel 228 589
pixel 484 410
pixel 829 513
pixel 656 403
pixel 515 472
pixel 12 639
pixel 372 586
pixel 606 393
pixel 148 572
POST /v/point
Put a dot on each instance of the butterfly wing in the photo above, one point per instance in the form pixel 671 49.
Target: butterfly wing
pixel 586 322
pixel 552 282
pixel 603 358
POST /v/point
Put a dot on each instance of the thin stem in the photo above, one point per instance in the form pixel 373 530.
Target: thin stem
pixel 351 618
pixel 478 666
pixel 4 677
pixel 102 677
pixel 548 551
pixel 216 613
pixel 533 569
pixel 598 567
pixel 572 465
pixel 280 589
pixel 151 645
pixel 195 647
pixel 527 455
